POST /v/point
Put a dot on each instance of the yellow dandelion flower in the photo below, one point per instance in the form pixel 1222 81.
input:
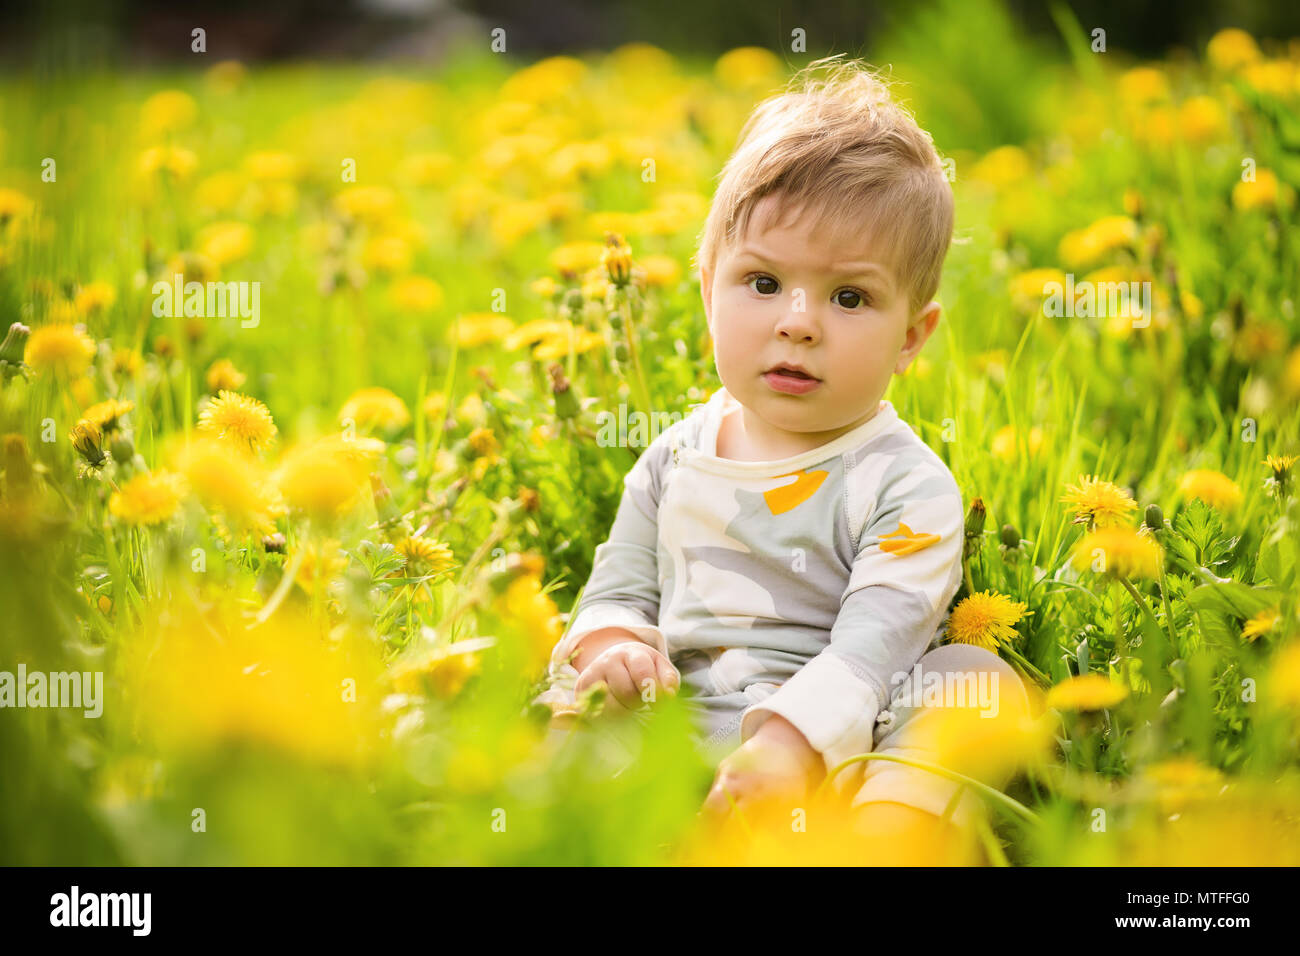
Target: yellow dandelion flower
pixel 321 562
pixel 558 346
pixel 149 497
pixel 175 161
pixel 1003 166
pixel 444 672
pixel 544 288
pixel 1029 288
pixel 471 412
pixel 1083 247
pixel 225 242
pixel 221 191
pixel 239 419
pixel 748 68
pixel 616 258
pixel 167 112
pixel 481 328
pixel 426 169
pixel 1284 678
pixel 390 255
pixel 369 204
pixel 107 414
pixel 1261 623
pixel 526 603
pixel 1212 487
pixel 1201 119
pixel 416 294
pixel 574 258
pixel 1231 49
pixel 88 442
pixel 63 350
pixel 1122 552
pixel 1142 85
pixel 1260 194
pixel 1086 692
pixel 661 270
pixel 272 165
pixel 222 376
pixel 94 297
pixel 327 477
pixel 1291 376
pixel 234 486
pixel 483 442
pixel 985 619
pixel 14 205
pixel 434 406
pixel 534 331
pixel 1098 503
pixel 1178 781
pixel 1006 442
pixel 375 407
pixel 424 555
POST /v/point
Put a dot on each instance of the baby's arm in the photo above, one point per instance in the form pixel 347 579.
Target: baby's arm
pixel 620 602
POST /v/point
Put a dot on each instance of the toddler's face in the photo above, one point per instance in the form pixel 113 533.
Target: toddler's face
pixel 784 295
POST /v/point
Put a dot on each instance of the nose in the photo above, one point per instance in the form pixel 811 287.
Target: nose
pixel 799 326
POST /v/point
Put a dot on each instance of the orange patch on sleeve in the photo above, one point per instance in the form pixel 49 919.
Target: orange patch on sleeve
pixel 906 541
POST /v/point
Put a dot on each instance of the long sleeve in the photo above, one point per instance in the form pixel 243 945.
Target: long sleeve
pixel 623 589
pixel 906 570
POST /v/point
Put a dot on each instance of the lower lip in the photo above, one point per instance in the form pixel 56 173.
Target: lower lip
pixel 790 384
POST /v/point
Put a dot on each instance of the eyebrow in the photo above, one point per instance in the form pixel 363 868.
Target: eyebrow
pixel 837 268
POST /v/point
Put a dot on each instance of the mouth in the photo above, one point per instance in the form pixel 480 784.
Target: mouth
pixel 791 379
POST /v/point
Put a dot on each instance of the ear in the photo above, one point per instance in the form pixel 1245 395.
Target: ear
pixel 919 330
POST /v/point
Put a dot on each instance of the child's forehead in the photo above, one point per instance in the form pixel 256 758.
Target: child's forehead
pixel 780 231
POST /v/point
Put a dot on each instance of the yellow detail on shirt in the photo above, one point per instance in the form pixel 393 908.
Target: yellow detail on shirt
pixel 907 541
pixel 782 499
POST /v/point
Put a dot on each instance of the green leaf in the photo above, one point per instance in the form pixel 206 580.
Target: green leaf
pixel 1233 599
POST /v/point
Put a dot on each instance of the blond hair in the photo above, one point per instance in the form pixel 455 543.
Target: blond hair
pixel 839 146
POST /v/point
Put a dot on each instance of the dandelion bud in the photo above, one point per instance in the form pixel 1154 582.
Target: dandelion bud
pixel 617 259
pixel 122 449
pixel 1010 537
pixel 88 440
pixel 530 499
pixel 1155 518
pixel 566 403
pixel 620 352
pixel 573 300
pixel 975 518
pixel 615 321
pixel 14 344
pixel 273 543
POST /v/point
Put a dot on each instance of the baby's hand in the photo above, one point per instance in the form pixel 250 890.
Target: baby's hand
pixel 634 672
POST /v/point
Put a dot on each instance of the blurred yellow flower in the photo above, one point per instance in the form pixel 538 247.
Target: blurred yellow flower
pixel 533 610
pixel 272 165
pixel 223 376
pixel 1143 84
pixel 1231 49
pixel 1083 247
pixel 661 270
pixel 1028 288
pixel 534 331
pixel 1261 623
pixel 202 680
pixel 375 407
pixel 14 205
pixel 1006 442
pixel 233 486
pixel 1284 678
pixel 748 68
pixel 370 204
pixel 1212 487
pixel 1086 692
pixel 548 79
pixel 1004 166
pixel 177 162
pixel 108 413
pixel 573 258
pixel 167 112
pixel 62 349
pixel 226 76
pixel 94 297
pixel 1260 194
pixel 1098 503
pixel 445 672
pixel 149 497
pixel 225 242
pixel 239 419
pixel 481 328
pixel 985 619
pixel 327 477
pixel 319 562
pixel 1201 119
pixel 427 169
pixel 1121 552
pixel 387 254
pixel 424 555
pixel 416 294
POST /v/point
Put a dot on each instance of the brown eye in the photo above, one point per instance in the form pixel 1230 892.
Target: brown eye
pixel 762 289
pixel 849 298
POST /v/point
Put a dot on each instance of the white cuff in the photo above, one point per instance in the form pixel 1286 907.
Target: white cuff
pixel 830 705
pixel 593 617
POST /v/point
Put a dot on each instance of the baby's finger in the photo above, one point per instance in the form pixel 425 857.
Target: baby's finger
pixel 622 687
pixel 669 679
pixel 641 667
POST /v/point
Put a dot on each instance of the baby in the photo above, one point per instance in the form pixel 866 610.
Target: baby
pixel 788 552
